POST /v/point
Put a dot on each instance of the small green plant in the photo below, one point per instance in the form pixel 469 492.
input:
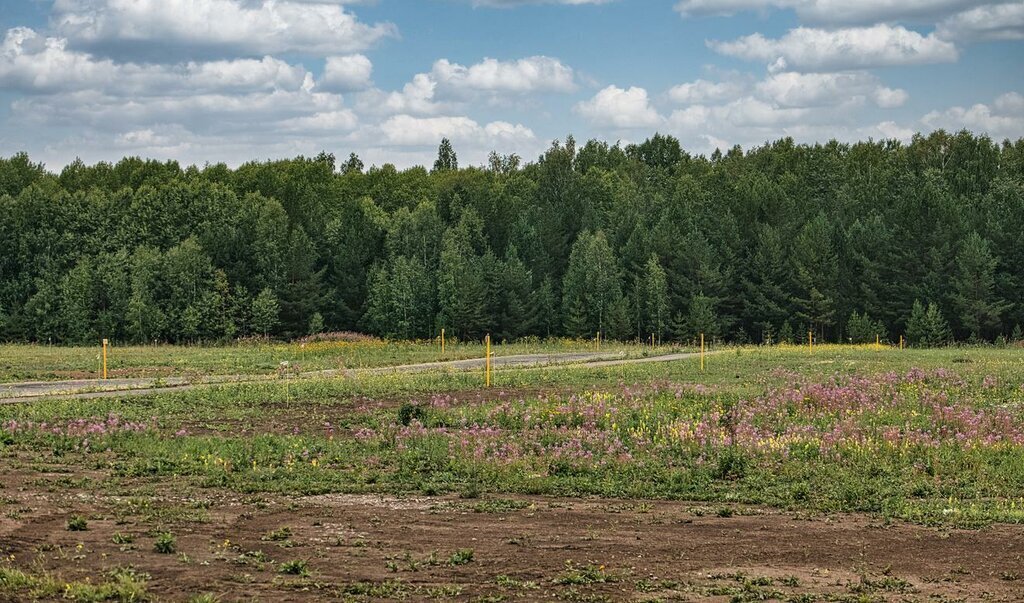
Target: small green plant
pixel 122 538
pixel 461 557
pixel 279 535
pixel 77 523
pixel 584 574
pixel 295 567
pixel 165 543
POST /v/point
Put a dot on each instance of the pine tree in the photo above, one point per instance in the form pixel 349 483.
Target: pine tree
pixel 816 270
pixel 702 318
pixel 860 328
pixel 446 161
pixel 974 294
pixel 316 323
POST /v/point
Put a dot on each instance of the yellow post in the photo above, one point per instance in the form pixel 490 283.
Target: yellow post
pixel 810 341
pixel 487 361
pixel 442 342
pixel 878 342
pixel 901 342
pixel 702 352
pixel 105 358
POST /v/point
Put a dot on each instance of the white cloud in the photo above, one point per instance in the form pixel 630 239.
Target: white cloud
pixel 1004 119
pixel 807 49
pixel 791 89
pixel 1010 103
pixel 449 85
pixel 616 107
pixel 346 73
pixel 515 3
pixel 704 91
pixel 532 74
pixel 203 27
pixel 835 12
pixel 407 130
pixel 34 64
pixel 989 22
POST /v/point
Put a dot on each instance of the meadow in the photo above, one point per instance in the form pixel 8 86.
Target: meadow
pixel 27 362
pixel 925 441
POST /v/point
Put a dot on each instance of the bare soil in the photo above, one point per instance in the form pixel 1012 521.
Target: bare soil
pixel 523 548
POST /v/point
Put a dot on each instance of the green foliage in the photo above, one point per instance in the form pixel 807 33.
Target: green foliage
pixel 860 328
pixel 584 239
pixel 265 311
pixel 927 328
pixel 165 543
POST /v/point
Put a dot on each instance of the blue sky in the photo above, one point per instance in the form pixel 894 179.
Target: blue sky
pixel 233 80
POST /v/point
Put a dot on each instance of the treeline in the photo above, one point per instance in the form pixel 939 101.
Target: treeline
pixel 850 241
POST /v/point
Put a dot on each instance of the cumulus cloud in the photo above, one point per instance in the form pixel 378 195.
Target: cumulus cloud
pixel 35 64
pixel 515 3
pixel 835 12
pixel 532 74
pixel 989 22
pixel 346 73
pixel 448 85
pixel 704 91
pixel 407 130
pixel 203 27
pixel 791 89
pixel 620 108
pixel 1003 119
pixel 808 49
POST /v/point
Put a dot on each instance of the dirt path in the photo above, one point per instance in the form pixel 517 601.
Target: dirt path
pixel 96 388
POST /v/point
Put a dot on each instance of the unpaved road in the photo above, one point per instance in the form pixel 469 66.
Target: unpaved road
pixel 96 388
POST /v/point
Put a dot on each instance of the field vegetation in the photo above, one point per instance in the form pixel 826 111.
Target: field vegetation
pixel 929 437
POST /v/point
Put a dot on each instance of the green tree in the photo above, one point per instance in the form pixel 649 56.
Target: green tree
pixel 265 312
pixel 816 271
pixel 446 161
pixel 592 287
pixel 974 297
pixel 653 299
pixel 860 328
pixel 927 327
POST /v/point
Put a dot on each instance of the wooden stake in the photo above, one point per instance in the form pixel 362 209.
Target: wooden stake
pixel 105 358
pixel 487 360
pixel 702 352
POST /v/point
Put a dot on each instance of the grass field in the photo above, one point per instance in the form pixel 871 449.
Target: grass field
pixel 19 362
pixel 360 487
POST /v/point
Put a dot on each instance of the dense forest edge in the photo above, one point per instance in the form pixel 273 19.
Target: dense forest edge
pixel 849 241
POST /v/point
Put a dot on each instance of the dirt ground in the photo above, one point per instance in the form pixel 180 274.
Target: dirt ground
pixel 492 548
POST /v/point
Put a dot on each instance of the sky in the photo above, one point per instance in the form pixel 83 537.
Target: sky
pixel 207 81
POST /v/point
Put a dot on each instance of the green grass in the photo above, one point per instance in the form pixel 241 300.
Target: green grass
pixel 573 431
pixel 23 362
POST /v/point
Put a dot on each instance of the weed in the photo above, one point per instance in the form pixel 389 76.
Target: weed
pixel 165 543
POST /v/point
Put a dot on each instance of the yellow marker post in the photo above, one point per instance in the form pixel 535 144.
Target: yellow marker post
pixel 487 361
pixel 105 358
pixel 442 342
pixel 878 342
pixel 702 352
pixel 901 342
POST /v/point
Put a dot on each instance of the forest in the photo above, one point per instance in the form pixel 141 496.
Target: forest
pixel 922 239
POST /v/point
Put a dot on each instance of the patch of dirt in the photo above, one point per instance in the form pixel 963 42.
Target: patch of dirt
pixel 522 548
